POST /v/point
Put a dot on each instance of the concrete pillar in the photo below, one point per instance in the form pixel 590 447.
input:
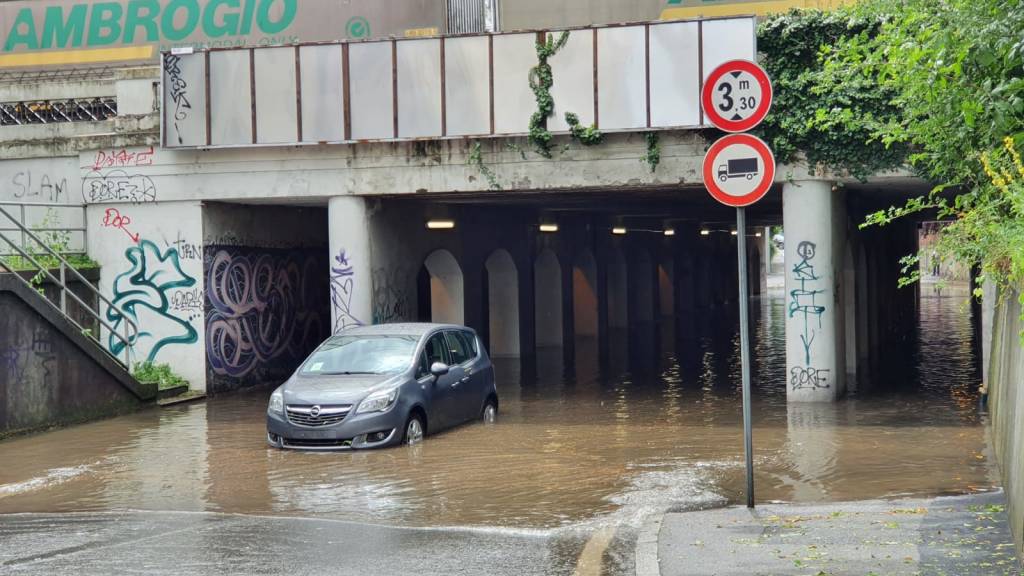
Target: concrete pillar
pixel 815 223
pixel 350 263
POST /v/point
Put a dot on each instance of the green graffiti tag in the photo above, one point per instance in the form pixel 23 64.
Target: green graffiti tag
pixel 143 294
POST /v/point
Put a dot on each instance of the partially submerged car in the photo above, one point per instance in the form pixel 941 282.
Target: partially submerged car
pixel 376 386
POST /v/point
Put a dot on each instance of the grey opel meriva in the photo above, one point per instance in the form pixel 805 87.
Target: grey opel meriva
pixel 376 386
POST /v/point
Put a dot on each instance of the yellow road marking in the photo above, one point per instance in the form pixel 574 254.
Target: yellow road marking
pixel 61 57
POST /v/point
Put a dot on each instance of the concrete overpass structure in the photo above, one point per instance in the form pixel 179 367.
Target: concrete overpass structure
pixel 246 254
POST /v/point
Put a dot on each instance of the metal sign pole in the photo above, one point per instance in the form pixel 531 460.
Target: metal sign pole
pixel 748 447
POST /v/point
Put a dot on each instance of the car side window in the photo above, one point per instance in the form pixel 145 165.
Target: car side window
pixel 436 350
pixel 458 347
pixel 423 368
pixel 470 344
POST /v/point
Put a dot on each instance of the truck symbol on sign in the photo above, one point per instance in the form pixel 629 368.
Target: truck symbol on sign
pixel 738 168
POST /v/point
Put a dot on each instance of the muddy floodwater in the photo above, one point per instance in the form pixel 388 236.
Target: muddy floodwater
pixel 590 446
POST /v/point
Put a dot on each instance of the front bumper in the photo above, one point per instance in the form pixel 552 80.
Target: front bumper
pixel 350 434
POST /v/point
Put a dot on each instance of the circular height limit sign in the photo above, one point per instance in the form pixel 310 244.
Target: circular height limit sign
pixel 736 96
pixel 739 170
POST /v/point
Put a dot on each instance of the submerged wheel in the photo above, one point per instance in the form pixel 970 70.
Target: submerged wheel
pixel 490 412
pixel 413 430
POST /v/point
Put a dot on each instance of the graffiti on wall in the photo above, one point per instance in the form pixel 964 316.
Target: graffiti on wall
pixel 390 302
pixel 113 218
pixel 179 91
pixel 803 301
pixel 342 285
pixel 117 186
pixel 262 309
pixel 15 359
pixel 39 187
pixel 144 293
pixel 122 158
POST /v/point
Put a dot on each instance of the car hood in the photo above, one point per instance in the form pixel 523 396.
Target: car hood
pixel 335 389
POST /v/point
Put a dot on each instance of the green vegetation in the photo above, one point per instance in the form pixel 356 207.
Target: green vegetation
pixel 653 155
pixel 159 373
pixel 541 82
pixel 939 83
pixel 58 241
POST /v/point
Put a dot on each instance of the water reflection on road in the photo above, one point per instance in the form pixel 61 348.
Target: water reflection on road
pixel 593 447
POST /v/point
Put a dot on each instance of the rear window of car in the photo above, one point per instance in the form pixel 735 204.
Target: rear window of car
pixel 462 346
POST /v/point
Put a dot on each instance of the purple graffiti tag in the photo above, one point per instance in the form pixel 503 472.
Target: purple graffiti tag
pixel 342 284
pixel 261 307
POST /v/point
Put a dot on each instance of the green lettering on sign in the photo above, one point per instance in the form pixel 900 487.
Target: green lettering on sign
pixel 58 31
pixel 105 23
pixel 136 18
pixel 173 33
pixel 228 24
pixel 267 25
pixel 23 31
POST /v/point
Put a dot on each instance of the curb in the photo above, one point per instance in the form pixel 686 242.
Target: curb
pixel 646 562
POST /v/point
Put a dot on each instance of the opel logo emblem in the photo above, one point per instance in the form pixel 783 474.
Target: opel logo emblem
pixel 314 411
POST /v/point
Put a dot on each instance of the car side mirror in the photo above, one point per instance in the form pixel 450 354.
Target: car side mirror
pixel 438 369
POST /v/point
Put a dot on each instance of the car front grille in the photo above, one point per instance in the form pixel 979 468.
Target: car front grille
pixel 326 415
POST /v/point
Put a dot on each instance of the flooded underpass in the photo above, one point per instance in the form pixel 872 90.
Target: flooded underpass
pixel 577 453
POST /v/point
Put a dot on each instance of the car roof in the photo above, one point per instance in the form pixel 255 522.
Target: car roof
pixel 402 328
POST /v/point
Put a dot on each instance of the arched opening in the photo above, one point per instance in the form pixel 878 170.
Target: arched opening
pixel 584 290
pixel 666 288
pixel 503 304
pixel 445 288
pixel 618 316
pixel 547 294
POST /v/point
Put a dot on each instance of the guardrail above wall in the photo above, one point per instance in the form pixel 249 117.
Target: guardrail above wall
pixel 621 78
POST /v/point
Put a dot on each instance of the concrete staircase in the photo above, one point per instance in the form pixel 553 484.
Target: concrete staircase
pixel 54 369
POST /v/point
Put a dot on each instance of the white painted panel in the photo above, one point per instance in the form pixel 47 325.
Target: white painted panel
pixel 675 74
pixel 371 89
pixel 276 112
pixel 419 88
pixel 323 102
pixel 230 98
pixel 622 77
pixel 185 99
pixel 573 71
pixel 514 56
pixel 467 86
pixel 728 39
pixel 151 267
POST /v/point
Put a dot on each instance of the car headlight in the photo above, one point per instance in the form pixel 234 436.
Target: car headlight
pixel 378 401
pixel 276 403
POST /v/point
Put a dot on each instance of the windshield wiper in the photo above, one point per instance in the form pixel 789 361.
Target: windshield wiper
pixel 346 373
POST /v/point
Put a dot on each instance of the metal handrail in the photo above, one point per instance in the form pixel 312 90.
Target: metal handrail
pixel 131 330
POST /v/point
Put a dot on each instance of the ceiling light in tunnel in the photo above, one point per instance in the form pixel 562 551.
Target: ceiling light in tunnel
pixel 440 224
pixel 705 232
pixel 670 232
pixel 733 232
pixel 549 227
pixel 758 234
pixel 619 230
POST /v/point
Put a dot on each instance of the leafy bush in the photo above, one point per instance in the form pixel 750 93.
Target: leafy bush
pixel 159 373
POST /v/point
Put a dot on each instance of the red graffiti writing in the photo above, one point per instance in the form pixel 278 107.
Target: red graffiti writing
pixel 114 219
pixel 122 158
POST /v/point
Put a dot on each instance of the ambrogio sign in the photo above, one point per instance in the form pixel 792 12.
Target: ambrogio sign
pixel 71 32
pixel 105 23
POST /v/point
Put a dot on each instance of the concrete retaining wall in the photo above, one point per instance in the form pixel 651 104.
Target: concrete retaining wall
pixel 1006 405
pixel 50 374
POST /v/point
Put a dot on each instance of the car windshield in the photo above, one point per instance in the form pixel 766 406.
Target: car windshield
pixel 362 354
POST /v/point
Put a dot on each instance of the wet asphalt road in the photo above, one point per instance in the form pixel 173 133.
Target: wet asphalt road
pixel 182 543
